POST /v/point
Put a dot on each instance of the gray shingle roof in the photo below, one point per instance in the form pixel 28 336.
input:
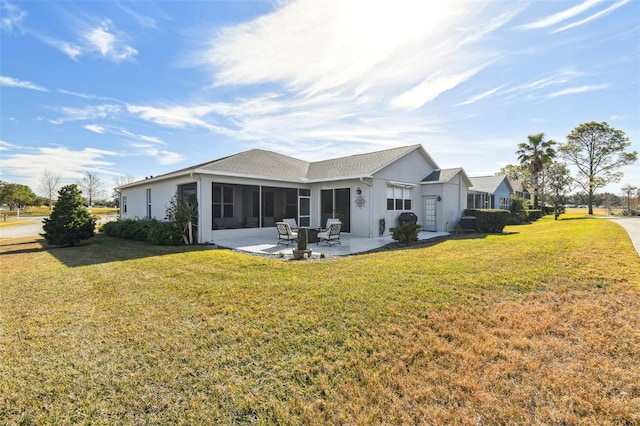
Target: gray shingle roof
pixel 488 184
pixel 442 176
pixel 258 162
pixel 356 165
pixel 267 164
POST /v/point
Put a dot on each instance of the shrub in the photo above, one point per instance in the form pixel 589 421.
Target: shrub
pixel 406 233
pixel 489 220
pixel 534 215
pixel 70 222
pixel 517 211
pixel 150 230
pixel 632 212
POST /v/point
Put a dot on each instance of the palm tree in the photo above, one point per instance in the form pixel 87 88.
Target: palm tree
pixel 536 153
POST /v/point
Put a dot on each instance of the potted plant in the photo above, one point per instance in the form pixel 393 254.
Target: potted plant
pixel 303 251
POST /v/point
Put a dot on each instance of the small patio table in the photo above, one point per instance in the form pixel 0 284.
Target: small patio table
pixel 312 235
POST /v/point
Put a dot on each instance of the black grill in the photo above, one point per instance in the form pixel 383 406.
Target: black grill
pixel 408 217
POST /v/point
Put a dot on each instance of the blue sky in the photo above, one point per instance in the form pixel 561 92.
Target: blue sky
pixel 143 88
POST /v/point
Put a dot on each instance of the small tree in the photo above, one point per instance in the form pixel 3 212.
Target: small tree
pixel 92 186
pixel 559 183
pixel 49 183
pixel 17 196
pixel 598 151
pixel 182 213
pixel 70 222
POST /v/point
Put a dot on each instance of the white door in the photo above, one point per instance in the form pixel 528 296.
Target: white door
pixel 429 213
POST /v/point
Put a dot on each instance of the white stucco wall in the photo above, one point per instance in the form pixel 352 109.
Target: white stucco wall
pixel 410 169
pixel 161 194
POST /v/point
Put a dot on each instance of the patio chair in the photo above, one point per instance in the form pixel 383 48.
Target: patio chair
pixel 331 235
pixel 292 224
pixel 330 221
pixel 285 234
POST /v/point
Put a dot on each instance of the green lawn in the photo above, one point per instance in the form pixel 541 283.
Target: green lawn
pixel 538 325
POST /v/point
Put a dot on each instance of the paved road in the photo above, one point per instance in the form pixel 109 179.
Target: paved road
pixel 34 228
pixel 632 226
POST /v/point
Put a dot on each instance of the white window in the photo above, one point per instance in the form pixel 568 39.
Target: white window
pixel 504 203
pixel 124 204
pixel 399 197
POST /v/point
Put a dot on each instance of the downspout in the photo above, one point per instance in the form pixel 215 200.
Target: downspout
pixel 198 180
pixel 370 185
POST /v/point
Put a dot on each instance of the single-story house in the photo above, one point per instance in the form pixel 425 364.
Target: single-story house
pixel 489 192
pixel 520 189
pixel 247 193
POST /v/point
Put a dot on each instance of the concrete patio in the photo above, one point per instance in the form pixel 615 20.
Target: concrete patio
pixel 350 245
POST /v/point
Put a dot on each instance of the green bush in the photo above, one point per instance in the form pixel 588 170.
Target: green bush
pixel 489 220
pixel 150 230
pixel 632 212
pixel 406 233
pixel 518 211
pixel 70 222
pixel 534 215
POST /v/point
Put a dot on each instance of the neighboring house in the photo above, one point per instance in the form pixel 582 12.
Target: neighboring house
pixel 246 193
pixel 489 192
pixel 520 189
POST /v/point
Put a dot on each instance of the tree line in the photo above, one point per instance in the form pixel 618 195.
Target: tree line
pixel 596 150
pixel 18 196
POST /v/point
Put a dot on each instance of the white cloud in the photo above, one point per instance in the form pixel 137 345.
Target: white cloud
pixel 89 113
pixel 5 145
pixel 431 88
pixel 356 72
pixel 95 128
pixel 109 43
pixel 69 163
pixel 142 137
pixel 178 116
pixel 480 96
pixel 561 16
pixel 145 21
pixel 594 16
pixel 14 82
pixel 101 39
pixel 11 16
pixel 403 42
pixel 575 90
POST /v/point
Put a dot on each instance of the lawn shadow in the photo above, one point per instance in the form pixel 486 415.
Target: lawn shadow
pixel 97 250
pixel 481 235
pixel 9 247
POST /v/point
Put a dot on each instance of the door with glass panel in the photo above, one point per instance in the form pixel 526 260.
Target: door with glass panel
pixel 304 207
pixel 430 213
pixel 336 204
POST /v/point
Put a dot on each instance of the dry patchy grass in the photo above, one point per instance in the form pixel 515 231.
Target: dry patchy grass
pixel 536 326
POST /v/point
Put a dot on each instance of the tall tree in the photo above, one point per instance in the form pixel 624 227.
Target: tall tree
pixel 559 183
pixel 517 172
pixel 91 186
pixel 16 196
pixel 598 151
pixel 49 183
pixel 536 153
pixel 628 191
